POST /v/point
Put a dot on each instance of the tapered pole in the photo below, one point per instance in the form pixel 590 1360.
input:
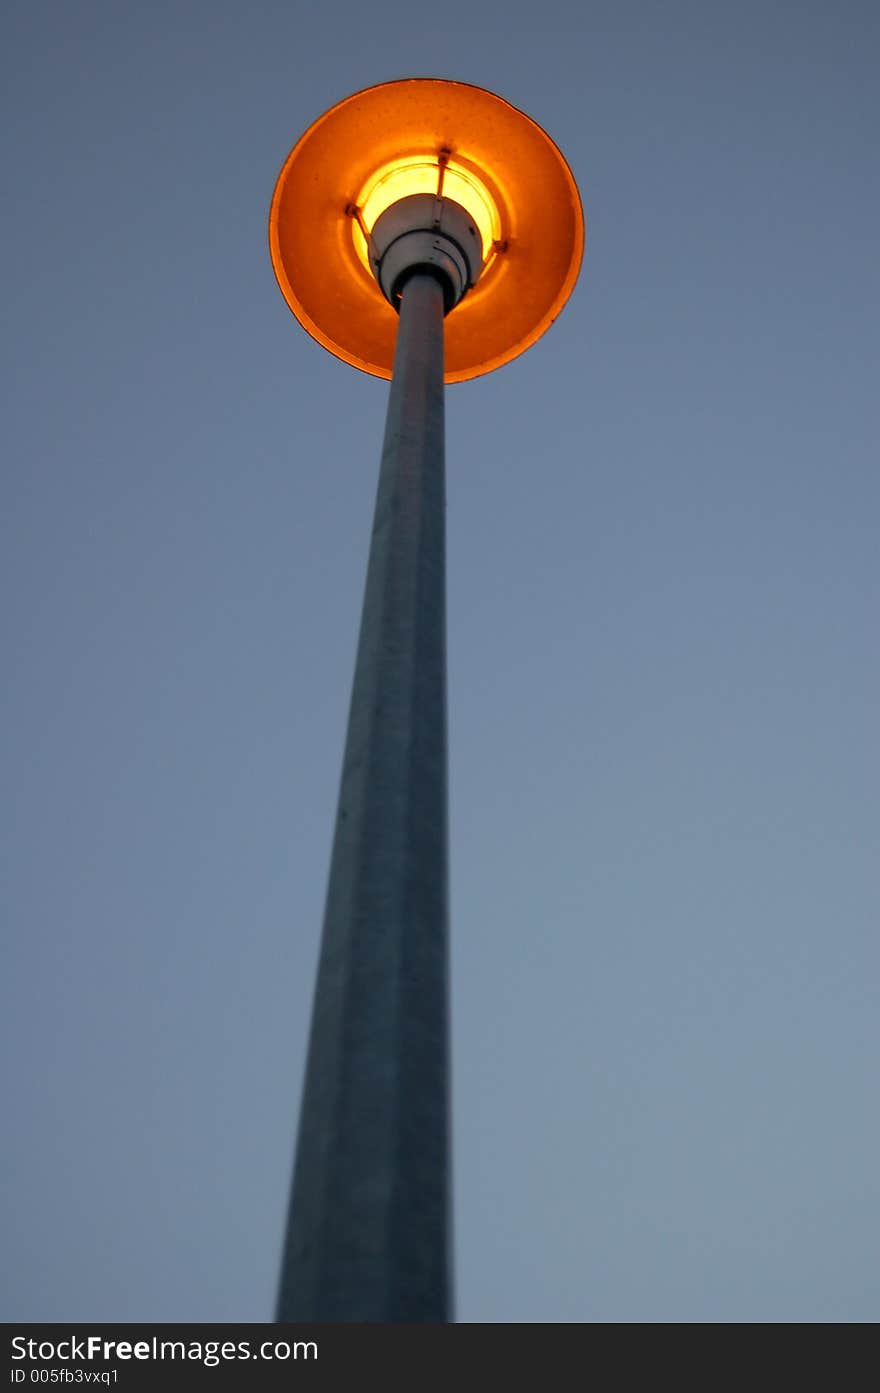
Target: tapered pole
pixel 368 1227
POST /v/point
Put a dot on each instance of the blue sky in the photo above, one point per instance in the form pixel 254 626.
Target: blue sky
pixel 663 666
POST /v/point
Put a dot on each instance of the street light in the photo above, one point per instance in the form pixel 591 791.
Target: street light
pixel 423 231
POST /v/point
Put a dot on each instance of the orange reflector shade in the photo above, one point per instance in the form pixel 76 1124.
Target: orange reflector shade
pixel 411 137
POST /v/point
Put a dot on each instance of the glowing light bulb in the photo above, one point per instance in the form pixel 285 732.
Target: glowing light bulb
pixel 421 174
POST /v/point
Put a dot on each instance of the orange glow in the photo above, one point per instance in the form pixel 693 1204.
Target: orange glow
pixel 380 144
pixel 403 177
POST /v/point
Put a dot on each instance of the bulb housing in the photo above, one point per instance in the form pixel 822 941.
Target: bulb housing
pixel 429 234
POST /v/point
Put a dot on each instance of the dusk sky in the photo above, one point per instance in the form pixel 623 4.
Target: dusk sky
pixel 663 664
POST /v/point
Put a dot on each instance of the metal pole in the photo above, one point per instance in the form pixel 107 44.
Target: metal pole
pixel 368 1228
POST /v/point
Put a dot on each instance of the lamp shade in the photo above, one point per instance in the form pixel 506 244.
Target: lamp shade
pixel 426 135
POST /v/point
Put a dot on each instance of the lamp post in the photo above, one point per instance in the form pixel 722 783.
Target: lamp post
pixel 423 231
